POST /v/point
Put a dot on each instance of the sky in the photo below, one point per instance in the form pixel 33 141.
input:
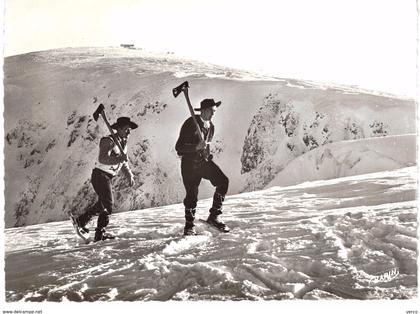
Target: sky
pixel 369 43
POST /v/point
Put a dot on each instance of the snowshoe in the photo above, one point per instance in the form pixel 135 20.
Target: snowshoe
pixel 82 232
pixel 214 222
pixel 101 235
pixel 109 236
pixel 189 230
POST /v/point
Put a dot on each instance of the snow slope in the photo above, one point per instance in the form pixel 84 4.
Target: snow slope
pixel 348 158
pixel 51 140
pixel 347 238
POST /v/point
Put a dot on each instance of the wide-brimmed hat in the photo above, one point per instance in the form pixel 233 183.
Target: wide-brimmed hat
pixel 123 121
pixel 206 103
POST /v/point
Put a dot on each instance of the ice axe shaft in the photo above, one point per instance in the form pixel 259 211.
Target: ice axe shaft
pixel 100 111
pixel 184 88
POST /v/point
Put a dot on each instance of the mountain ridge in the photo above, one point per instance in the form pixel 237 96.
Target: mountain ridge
pixel 51 139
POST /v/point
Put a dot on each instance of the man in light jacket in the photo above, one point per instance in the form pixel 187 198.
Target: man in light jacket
pixel 110 162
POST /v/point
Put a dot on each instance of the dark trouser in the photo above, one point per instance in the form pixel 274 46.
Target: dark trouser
pixel 102 185
pixel 192 173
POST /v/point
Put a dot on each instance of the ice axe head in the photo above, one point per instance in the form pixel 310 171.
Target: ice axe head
pixel 98 111
pixel 177 90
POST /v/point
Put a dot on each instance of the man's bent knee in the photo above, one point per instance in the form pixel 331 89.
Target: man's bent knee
pixel 223 185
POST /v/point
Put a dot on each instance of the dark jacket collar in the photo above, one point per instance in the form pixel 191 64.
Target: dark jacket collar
pixel 201 123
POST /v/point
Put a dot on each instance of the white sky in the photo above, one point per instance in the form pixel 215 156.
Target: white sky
pixel 369 43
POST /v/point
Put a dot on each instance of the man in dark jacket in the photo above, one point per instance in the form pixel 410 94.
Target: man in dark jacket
pixel 111 160
pixel 197 164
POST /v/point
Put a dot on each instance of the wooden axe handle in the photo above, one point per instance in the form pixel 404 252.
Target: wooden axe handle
pixel 185 90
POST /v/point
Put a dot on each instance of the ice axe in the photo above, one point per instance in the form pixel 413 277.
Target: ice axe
pixel 100 111
pixel 183 88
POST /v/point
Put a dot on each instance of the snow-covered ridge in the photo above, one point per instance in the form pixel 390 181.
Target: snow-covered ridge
pixel 347 238
pixel 349 158
pixel 140 61
pixel 285 129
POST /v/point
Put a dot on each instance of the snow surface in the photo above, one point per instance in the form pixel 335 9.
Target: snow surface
pixel 346 238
